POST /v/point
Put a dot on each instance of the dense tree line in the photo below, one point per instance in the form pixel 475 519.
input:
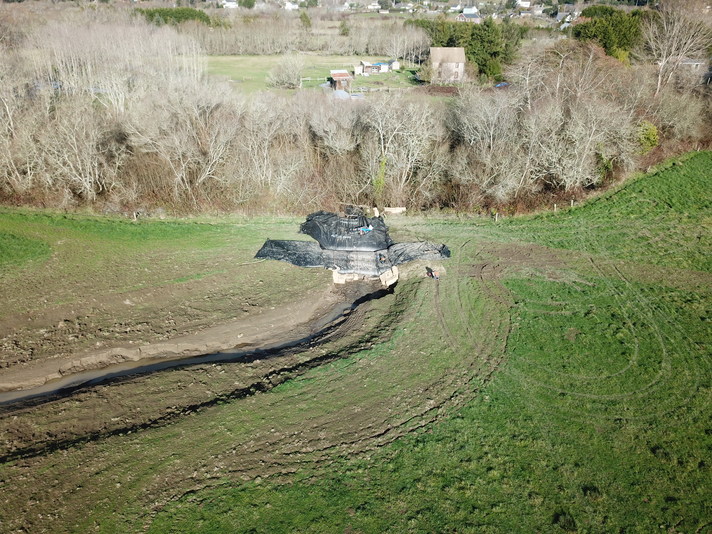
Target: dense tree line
pixel 114 112
pixel 489 46
pixel 616 31
pixel 237 33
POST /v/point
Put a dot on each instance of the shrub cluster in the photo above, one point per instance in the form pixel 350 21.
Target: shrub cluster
pixel 121 114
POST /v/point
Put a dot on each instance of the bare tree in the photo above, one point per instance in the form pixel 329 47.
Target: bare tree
pixel 192 130
pixel 287 73
pixel 405 135
pixel 670 38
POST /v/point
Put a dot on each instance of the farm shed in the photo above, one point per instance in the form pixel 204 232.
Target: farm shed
pixel 340 79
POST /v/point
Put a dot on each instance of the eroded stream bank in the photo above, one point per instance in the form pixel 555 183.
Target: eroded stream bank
pixel 113 401
pixel 260 335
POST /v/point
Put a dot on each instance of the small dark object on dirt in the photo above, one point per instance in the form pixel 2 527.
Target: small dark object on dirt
pixel 432 274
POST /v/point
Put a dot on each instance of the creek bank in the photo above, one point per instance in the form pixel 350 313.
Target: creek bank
pixel 267 330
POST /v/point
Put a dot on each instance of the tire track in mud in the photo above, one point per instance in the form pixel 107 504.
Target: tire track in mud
pixel 476 340
pixel 487 349
pixel 262 455
pixel 16 446
pixel 482 353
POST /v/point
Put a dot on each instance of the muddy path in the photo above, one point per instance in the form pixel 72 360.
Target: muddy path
pixel 390 390
pixel 98 398
pixel 262 337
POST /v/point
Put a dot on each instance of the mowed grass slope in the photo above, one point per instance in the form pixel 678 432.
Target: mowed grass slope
pixel 556 379
pixel 664 218
pixel 598 420
pixel 75 254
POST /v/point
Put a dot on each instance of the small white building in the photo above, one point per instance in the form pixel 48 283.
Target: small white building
pixel 289 6
pixel 365 68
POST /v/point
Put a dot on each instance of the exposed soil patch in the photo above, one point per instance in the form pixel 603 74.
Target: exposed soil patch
pixel 392 387
pixel 120 405
pixel 255 330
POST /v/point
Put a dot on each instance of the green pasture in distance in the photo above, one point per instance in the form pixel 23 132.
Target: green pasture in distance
pixel 249 73
pixel 597 420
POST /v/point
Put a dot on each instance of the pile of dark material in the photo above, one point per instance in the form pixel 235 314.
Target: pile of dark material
pixel 352 243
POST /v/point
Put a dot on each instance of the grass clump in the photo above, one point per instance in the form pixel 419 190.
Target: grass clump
pixel 16 250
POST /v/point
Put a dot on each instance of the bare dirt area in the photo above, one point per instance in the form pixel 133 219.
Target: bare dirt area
pixel 266 349
pixel 255 329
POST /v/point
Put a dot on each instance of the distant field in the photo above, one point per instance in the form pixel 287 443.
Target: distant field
pixel 249 73
pixel 556 379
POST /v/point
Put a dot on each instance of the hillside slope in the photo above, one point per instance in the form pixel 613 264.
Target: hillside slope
pixel 556 378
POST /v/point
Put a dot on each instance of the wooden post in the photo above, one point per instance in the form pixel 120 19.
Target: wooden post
pixel 554 208
pixel 572 202
pixel 496 216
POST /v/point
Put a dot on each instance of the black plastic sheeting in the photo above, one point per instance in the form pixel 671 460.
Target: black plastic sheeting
pixel 350 244
pixel 353 232
pixel 369 263
pixel 299 253
pixel 404 252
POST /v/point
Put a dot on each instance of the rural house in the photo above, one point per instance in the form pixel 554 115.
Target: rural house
pixel 448 64
pixel 469 14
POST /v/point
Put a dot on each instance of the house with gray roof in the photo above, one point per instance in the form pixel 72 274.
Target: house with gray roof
pixel 448 64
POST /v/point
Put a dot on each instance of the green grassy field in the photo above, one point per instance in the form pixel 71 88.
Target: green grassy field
pixel 16 250
pixel 556 379
pixel 249 73
pixel 598 421
pixel 663 218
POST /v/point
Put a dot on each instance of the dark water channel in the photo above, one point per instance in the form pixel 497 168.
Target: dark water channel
pixel 69 384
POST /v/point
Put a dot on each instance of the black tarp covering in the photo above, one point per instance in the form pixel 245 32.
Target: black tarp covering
pixel 369 263
pixel 299 253
pixel 353 232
